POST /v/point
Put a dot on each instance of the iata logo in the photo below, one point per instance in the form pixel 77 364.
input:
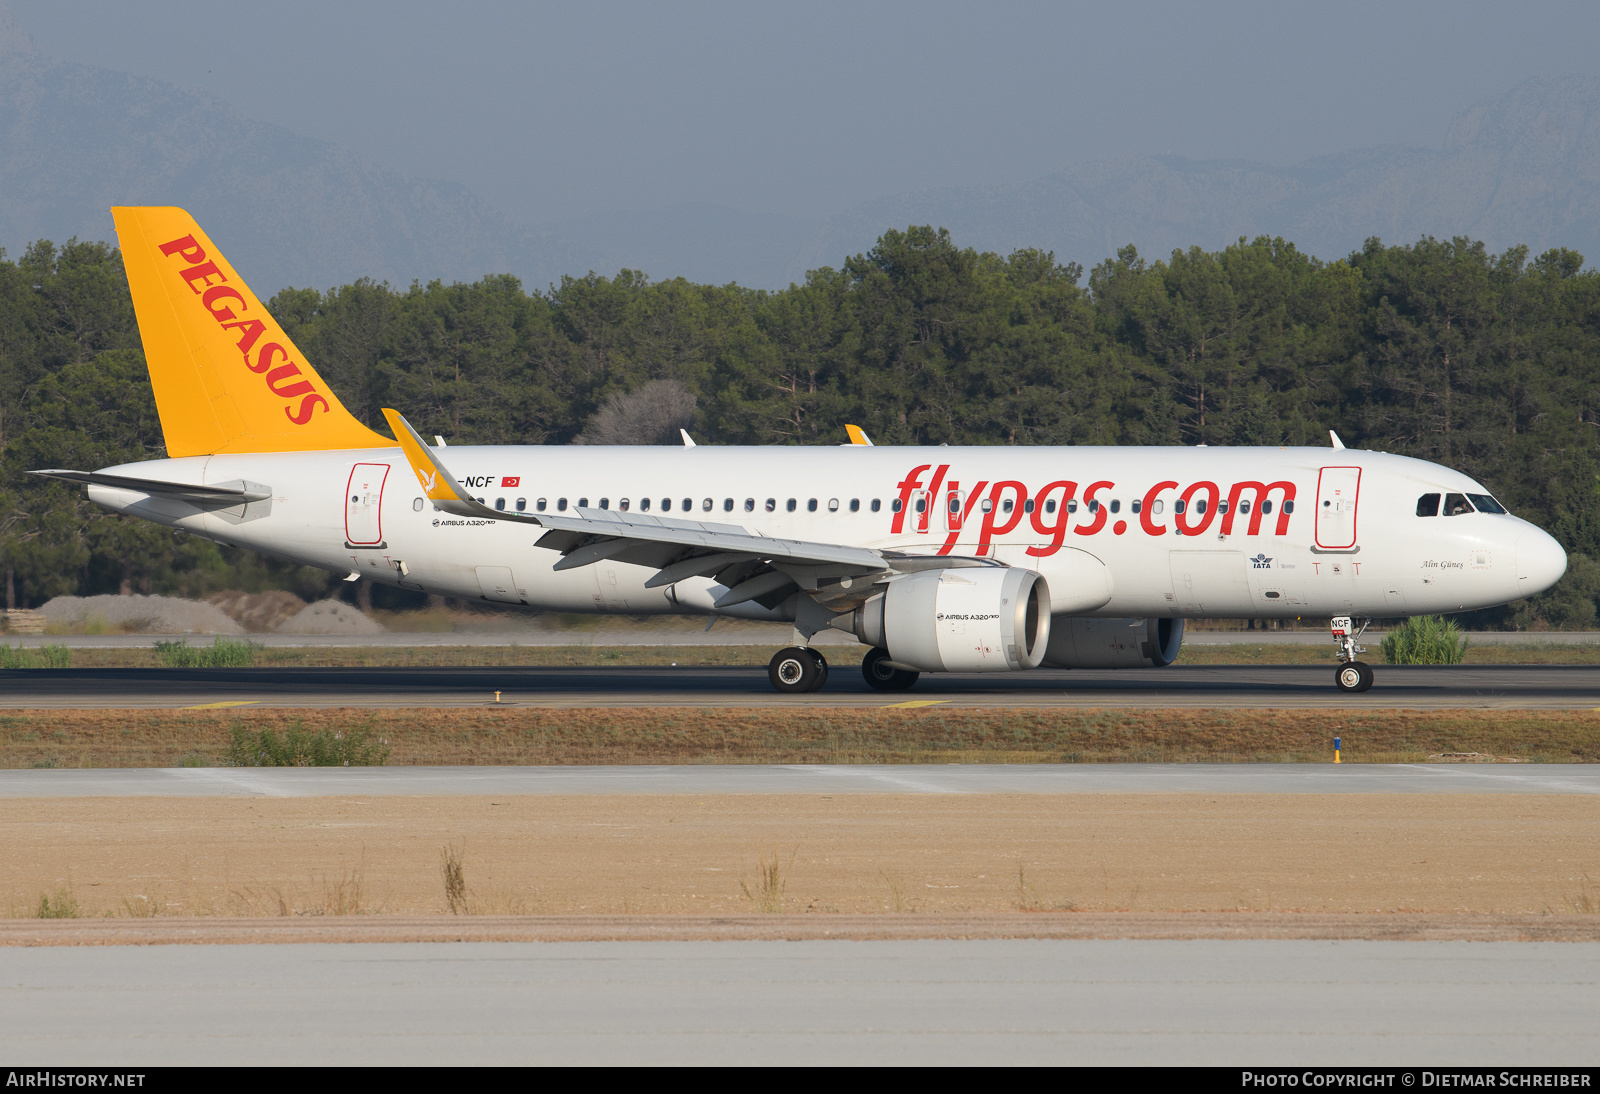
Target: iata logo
pixel 1261 562
pixel 205 281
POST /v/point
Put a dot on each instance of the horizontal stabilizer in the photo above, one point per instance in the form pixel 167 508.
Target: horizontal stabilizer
pixel 231 493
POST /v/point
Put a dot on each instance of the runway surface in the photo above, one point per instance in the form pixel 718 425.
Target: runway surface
pixel 1510 687
pixel 808 779
pixel 888 1002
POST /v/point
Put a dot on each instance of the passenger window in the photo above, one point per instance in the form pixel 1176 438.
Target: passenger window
pixel 1244 507
pixel 1072 505
pixel 623 505
pixel 706 505
pixel 789 505
pixel 1094 507
pixel 1266 507
pixel 772 505
pixel 922 504
pixel 1158 506
pixel 727 505
pixel 987 505
pixel 1428 505
pixel 1050 505
pixel 1179 506
pixel 1456 504
pixel 583 503
pixel 416 505
pixel 1138 504
pixel 877 504
pixel 1483 503
pixel 855 505
pixel 644 505
pixel 1027 506
pixel 1007 505
pixel 811 505
pixel 605 503
pixel 1200 506
pixel 1288 507
pixel 749 505
pixel 666 505
pixel 522 505
pixel 688 505
pixel 833 505
pixel 896 505
pixel 1222 507
pixel 1116 506
pixel 539 505
pixel 500 505
pixel 561 505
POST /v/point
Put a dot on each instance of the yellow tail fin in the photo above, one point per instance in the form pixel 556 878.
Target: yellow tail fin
pixel 226 377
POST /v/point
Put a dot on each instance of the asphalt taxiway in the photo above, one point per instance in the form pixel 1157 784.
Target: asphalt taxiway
pixel 296 782
pixel 1510 687
pixel 1021 1001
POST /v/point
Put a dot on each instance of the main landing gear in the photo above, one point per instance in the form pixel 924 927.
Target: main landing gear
pixel 797 669
pixel 882 676
pixel 1352 675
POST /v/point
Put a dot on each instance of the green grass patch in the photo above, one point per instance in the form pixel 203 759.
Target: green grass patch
pixel 1425 640
pixel 223 653
pixel 299 747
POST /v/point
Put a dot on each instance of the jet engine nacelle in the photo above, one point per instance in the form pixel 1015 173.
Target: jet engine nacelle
pixel 1078 643
pixel 968 619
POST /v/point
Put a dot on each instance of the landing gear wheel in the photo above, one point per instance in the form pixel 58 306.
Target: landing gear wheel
pixel 1356 676
pixel 794 670
pixel 882 677
pixel 822 669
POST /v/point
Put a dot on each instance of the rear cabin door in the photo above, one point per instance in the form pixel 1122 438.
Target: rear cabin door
pixel 1337 491
pixel 363 505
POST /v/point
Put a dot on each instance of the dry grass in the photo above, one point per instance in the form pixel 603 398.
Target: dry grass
pixel 1312 651
pixel 649 735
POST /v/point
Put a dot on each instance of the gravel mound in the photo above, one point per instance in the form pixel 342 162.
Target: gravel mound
pixel 140 614
pixel 258 613
pixel 330 617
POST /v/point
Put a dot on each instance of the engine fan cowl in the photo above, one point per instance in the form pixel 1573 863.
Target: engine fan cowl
pixel 1080 643
pixel 978 619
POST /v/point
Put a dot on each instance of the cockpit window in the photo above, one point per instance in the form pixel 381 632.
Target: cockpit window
pixel 1428 505
pixel 1485 504
pixel 1456 504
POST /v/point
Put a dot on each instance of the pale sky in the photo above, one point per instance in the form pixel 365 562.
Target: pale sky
pixel 551 111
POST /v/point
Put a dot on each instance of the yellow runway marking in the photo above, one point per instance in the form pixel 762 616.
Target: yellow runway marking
pixel 916 703
pixel 214 706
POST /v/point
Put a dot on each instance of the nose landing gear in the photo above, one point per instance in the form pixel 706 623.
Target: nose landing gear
pixel 797 669
pixel 1352 675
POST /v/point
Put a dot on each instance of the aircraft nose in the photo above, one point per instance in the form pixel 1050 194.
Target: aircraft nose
pixel 1540 562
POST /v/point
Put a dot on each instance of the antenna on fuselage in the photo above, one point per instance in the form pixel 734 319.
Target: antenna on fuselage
pixel 1337 443
pixel 688 441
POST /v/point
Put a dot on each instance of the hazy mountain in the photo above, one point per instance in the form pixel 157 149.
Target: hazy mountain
pixel 1523 168
pixel 74 140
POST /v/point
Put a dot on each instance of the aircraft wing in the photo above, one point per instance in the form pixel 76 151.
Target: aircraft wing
pixel 754 567
pixel 232 493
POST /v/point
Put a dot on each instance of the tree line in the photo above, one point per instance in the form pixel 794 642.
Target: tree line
pixel 1438 349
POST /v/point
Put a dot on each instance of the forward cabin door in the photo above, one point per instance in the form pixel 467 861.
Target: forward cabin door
pixel 363 505
pixel 1338 489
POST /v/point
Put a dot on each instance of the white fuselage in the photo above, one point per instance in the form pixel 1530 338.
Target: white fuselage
pixel 1333 532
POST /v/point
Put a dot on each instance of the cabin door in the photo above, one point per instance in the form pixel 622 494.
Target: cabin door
pixel 363 505
pixel 1337 491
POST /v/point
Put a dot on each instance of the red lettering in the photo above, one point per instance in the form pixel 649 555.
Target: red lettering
pixel 1184 527
pixel 1151 528
pixel 990 529
pixel 907 485
pixel 283 372
pixel 249 331
pixel 1057 531
pixel 308 406
pixel 972 499
pixel 1262 490
pixel 220 292
pixel 185 248
pixel 264 362
pixel 202 273
pixel 933 498
pixel 1099 521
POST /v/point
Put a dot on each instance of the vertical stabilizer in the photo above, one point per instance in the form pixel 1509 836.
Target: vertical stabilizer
pixel 226 377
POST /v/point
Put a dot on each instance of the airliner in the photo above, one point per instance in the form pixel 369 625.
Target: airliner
pixel 939 559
